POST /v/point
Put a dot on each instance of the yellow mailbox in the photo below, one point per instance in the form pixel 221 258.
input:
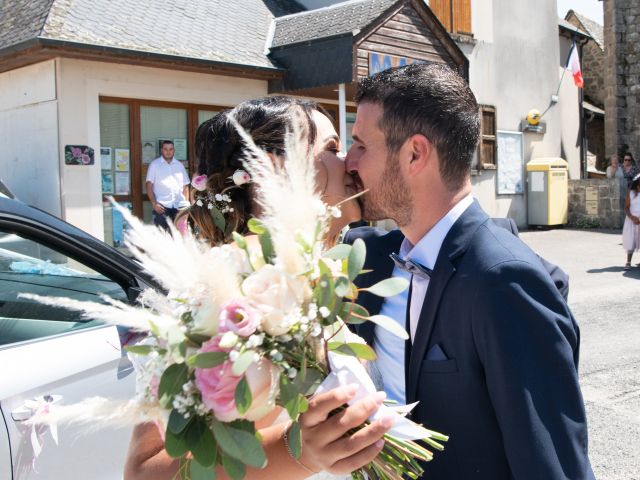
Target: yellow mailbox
pixel 547 191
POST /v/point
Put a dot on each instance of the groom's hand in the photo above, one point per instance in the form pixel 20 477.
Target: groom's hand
pixel 326 442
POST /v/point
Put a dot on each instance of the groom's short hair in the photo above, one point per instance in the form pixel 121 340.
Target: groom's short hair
pixel 431 100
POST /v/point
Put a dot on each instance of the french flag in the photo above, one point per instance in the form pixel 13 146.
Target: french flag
pixel 573 65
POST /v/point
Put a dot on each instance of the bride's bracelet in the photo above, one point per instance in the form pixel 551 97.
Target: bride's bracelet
pixel 285 437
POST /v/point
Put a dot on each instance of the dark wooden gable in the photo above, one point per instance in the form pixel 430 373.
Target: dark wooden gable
pixel 410 33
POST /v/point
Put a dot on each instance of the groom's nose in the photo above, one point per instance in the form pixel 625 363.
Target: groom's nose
pixel 350 164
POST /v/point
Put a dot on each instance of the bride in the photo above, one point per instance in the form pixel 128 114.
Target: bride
pixel 326 444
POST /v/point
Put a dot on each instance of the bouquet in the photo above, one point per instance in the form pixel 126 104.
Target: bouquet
pixel 248 327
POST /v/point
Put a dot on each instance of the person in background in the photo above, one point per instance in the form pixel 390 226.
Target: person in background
pixel 614 170
pixel 631 227
pixel 167 186
pixel 629 169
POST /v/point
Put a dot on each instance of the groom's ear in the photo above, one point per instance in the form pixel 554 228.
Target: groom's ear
pixel 421 150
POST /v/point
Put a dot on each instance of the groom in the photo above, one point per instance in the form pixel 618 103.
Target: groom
pixel 493 350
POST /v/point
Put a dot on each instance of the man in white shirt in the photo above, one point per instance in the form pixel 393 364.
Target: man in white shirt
pixel 493 350
pixel 167 186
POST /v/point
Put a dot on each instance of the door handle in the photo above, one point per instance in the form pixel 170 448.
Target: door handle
pixel 30 407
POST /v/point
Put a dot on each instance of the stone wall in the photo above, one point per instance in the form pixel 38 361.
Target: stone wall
pixel 622 76
pixel 595 141
pixel 596 203
pixel 593 64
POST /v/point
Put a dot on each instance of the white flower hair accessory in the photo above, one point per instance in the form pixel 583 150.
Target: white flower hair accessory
pixel 240 177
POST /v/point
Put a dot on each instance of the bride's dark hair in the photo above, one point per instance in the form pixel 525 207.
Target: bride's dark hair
pixel 220 151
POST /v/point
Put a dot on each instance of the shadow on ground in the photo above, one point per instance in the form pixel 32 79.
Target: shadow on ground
pixel 633 273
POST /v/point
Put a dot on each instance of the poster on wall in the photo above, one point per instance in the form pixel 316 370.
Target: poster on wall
pixel 122 159
pixel 510 175
pixel 122 183
pixel 107 182
pixel 149 153
pixel 78 155
pixel 181 149
pixel 105 158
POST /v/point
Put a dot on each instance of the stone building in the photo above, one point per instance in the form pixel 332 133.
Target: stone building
pixel 593 70
pixel 622 76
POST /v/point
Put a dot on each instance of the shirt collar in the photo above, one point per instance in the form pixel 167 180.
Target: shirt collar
pixel 426 250
pixel 173 160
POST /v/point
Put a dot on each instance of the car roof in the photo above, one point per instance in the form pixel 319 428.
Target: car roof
pixel 21 213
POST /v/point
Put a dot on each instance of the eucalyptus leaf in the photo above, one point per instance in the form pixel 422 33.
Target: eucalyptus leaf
pixel 202 443
pixel 243 362
pixel 240 240
pixel 359 350
pixel 243 396
pixel 388 287
pixel 353 313
pixel 339 252
pixel 177 422
pixel 234 468
pixel 268 252
pixel 295 442
pixel 356 258
pixel 290 397
pixel 390 325
pixel 199 472
pixel 342 286
pixel 175 445
pixel 207 359
pixel 309 382
pixel 255 226
pixel 239 444
pixel 139 349
pixel 218 217
pixel 171 382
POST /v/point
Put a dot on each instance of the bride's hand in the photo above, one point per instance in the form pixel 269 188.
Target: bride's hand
pixel 326 443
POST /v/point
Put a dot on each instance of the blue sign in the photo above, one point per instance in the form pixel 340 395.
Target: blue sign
pixel 382 61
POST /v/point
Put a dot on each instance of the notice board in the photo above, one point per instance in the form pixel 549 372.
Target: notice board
pixel 510 175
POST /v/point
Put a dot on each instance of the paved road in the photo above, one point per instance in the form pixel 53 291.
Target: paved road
pixel 605 300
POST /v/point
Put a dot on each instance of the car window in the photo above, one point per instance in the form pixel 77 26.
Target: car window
pixel 27 266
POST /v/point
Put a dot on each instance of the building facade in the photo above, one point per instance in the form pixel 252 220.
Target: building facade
pixel 79 75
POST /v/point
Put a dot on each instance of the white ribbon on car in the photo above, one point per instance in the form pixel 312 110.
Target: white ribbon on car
pixel 346 370
pixel 39 407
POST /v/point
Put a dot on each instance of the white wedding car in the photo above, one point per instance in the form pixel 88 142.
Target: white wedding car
pixel 52 356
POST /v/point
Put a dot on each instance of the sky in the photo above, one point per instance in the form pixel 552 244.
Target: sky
pixel 589 8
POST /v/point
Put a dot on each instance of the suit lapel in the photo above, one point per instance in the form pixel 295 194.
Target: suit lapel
pixel 454 245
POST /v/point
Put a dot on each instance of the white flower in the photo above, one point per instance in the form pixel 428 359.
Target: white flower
pixel 218 197
pixel 210 206
pixel 199 202
pixel 206 317
pixel 277 295
pixel 324 312
pixel 228 340
pixel 240 177
pixel 335 212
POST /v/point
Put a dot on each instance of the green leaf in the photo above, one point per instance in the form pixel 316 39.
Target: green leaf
pixel 295 442
pixel 239 444
pixel 177 422
pixel 171 382
pixel 308 383
pixel 359 350
pixel 339 252
pixel 324 289
pixel 243 396
pixel 243 362
pixel 353 313
pixel 356 258
pixel 207 359
pixel 342 286
pixel 201 443
pixel 240 240
pixel 290 397
pixel 234 468
pixel 139 349
pixel 199 472
pixel 388 287
pixel 390 325
pixel 175 445
pixel 218 217
pixel 267 246
pixel 255 226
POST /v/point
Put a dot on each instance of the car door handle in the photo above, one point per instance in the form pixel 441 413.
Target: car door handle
pixel 30 407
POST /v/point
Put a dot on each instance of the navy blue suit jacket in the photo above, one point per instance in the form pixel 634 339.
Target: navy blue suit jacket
pixel 507 392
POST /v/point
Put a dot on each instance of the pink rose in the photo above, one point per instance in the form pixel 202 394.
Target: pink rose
pixel 240 177
pixel 76 152
pixel 217 386
pixel 199 183
pixel 86 159
pixel 237 316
